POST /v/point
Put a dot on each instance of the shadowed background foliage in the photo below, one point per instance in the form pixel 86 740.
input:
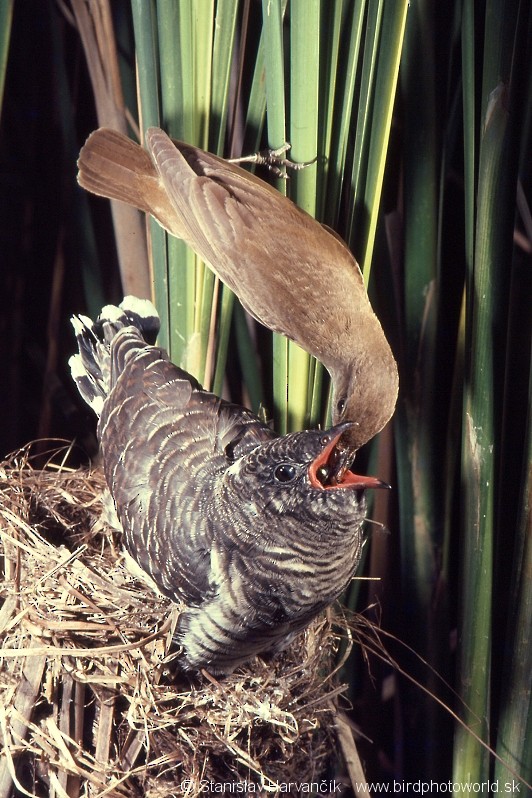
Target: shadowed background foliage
pixel 427 175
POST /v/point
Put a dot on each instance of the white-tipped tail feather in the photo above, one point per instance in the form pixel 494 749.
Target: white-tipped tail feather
pixel 90 368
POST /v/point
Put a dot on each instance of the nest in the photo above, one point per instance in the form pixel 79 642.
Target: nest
pixel 92 701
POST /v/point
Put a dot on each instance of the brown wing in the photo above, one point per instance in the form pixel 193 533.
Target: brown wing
pixel 287 270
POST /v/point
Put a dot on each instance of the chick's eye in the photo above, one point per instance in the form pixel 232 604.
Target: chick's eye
pixel 285 472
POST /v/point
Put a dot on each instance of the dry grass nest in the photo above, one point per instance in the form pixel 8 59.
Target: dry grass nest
pixel 92 703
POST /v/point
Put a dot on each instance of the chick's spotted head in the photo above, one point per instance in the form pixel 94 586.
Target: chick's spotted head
pixel 302 472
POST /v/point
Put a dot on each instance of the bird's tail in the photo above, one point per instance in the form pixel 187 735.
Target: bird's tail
pixel 111 165
pixel 90 368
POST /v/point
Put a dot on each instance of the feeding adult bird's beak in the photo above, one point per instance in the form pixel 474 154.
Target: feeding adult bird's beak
pixel 330 469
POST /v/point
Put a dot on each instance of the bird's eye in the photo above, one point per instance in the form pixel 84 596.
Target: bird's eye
pixel 285 472
pixel 340 407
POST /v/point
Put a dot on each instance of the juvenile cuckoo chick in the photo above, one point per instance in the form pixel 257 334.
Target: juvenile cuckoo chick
pixel 252 533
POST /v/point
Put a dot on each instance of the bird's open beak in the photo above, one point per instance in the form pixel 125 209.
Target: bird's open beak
pixel 330 469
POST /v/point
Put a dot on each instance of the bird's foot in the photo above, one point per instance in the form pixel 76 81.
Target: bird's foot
pixel 274 160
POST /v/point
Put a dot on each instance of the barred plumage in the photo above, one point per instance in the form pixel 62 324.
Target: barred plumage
pixel 254 533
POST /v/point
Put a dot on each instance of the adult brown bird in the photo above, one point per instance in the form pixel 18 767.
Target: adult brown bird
pixel 290 272
pixel 254 534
